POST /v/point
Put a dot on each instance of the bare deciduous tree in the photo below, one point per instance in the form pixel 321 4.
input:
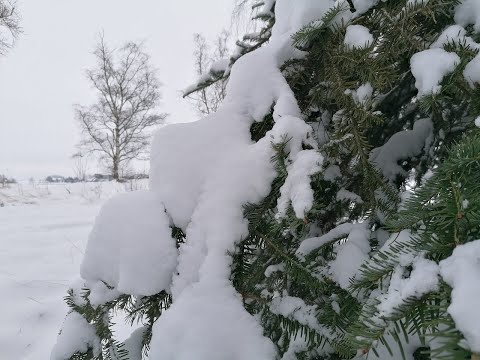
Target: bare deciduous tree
pixel 118 126
pixel 9 24
pixel 80 166
pixel 209 98
pixel 244 11
pixel 217 72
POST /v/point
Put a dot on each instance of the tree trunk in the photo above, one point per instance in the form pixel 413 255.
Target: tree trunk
pixel 115 169
pixel 116 158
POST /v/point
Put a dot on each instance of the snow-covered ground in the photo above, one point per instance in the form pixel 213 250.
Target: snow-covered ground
pixel 43 233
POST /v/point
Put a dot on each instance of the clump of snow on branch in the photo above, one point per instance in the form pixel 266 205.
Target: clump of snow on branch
pixel 358 36
pixel 472 71
pixel 468 13
pixel 295 308
pixel 205 182
pixel 266 10
pixel 297 189
pixel 345 195
pixel 297 344
pixel 456 34
pixel 477 122
pixel 77 335
pixel 362 94
pixel 401 146
pixel 462 272
pixel 311 244
pixel 422 280
pixel 350 255
pixel 429 67
pixel 130 241
pixel 134 344
pixel 202 174
pixel 274 268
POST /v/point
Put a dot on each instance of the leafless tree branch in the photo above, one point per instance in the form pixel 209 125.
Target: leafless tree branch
pixel 207 99
pixel 9 24
pixel 261 10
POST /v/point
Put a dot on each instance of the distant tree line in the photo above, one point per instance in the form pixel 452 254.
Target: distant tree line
pixel 4 180
pixel 92 178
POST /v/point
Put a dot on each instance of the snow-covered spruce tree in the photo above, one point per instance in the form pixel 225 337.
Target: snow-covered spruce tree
pixel 329 209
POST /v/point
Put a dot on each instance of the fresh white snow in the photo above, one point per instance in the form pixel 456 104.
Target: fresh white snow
pixel 296 189
pixel 455 34
pixel 472 71
pixel 337 233
pixel 131 240
pixel 462 272
pixel 358 36
pixel 350 255
pixel 429 67
pixel 401 146
pixel 204 182
pixel 468 13
pixel 77 335
pixel 422 280
pixel 43 233
pixel 202 175
pixel 477 122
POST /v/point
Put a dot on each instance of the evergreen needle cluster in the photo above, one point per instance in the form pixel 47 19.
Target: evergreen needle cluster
pixel 421 211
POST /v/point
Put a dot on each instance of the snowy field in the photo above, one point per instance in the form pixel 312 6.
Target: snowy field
pixel 43 233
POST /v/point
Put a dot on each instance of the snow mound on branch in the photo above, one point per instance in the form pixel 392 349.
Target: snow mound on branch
pixel 351 255
pixel 311 244
pixel 134 344
pixel 77 335
pixel 358 36
pixel 422 280
pixel 295 308
pixel 362 94
pixel 274 268
pixel 205 172
pixel 293 15
pixel 468 13
pixel 202 174
pixel 429 67
pixel 297 345
pixel 401 146
pixel 345 195
pixel 220 66
pixel 457 34
pixel 472 71
pixel 361 7
pixel 462 272
pixel 296 189
pixel 130 247
pixel 183 333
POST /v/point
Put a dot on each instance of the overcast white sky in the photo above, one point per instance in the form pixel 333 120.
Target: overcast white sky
pixel 43 76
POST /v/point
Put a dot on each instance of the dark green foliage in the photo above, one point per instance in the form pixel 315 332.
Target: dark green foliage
pixel 137 310
pixel 322 83
pixel 345 322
